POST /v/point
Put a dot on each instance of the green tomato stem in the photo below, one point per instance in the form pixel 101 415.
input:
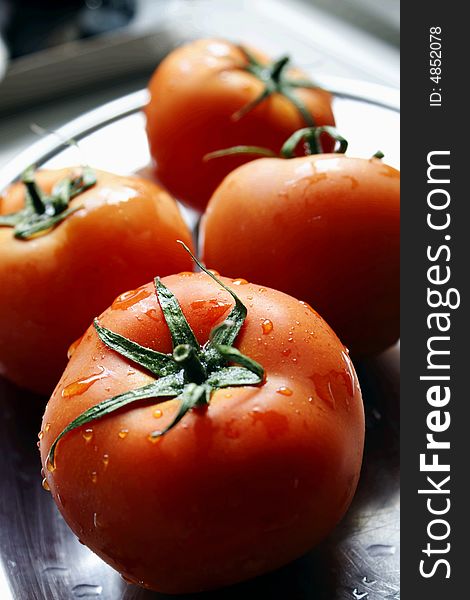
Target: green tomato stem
pixel 273 76
pixel 33 191
pixel 186 357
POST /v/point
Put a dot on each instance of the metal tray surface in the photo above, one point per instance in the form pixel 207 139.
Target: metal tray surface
pixel 40 558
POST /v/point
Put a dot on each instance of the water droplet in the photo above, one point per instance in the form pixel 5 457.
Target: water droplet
pixel 128 299
pixel 157 413
pixel 307 306
pixel 122 433
pixel 290 339
pixel 73 346
pixel 45 485
pixel 153 438
pixel 41 434
pixel 275 423
pixel 152 314
pixel 105 460
pixel 349 374
pixel 227 395
pixel 286 351
pixel 368 581
pixel 214 272
pixel 87 434
pixel 239 281
pixel 381 550
pixel 42 473
pixel 94 477
pixel 49 466
pixel 86 589
pixel 47 427
pixel 284 391
pixel 267 326
pixel 213 309
pixel 262 289
pixel 359 595
pixel 79 387
pixel 323 388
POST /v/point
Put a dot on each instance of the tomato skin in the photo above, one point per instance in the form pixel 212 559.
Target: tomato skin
pixel 195 92
pixel 234 490
pixel 322 228
pixel 53 285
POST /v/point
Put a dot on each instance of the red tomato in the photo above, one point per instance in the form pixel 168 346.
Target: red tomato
pixel 240 485
pixel 322 228
pixel 52 285
pixel 196 95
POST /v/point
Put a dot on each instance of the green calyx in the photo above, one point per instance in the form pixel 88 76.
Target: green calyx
pixel 42 212
pixel 309 136
pixel 276 81
pixel 191 373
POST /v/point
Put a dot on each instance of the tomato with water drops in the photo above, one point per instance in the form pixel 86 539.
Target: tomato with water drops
pixel 212 94
pixel 207 439
pixel 334 245
pixel 78 237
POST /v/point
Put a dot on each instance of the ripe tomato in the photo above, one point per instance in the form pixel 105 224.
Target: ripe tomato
pixel 246 481
pixel 323 228
pixel 54 283
pixel 197 93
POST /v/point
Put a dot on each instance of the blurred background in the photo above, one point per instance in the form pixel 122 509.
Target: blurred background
pixel 59 58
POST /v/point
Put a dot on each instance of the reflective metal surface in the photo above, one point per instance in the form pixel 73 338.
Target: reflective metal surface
pixel 39 556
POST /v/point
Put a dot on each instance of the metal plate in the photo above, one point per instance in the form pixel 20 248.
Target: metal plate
pixel 40 558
